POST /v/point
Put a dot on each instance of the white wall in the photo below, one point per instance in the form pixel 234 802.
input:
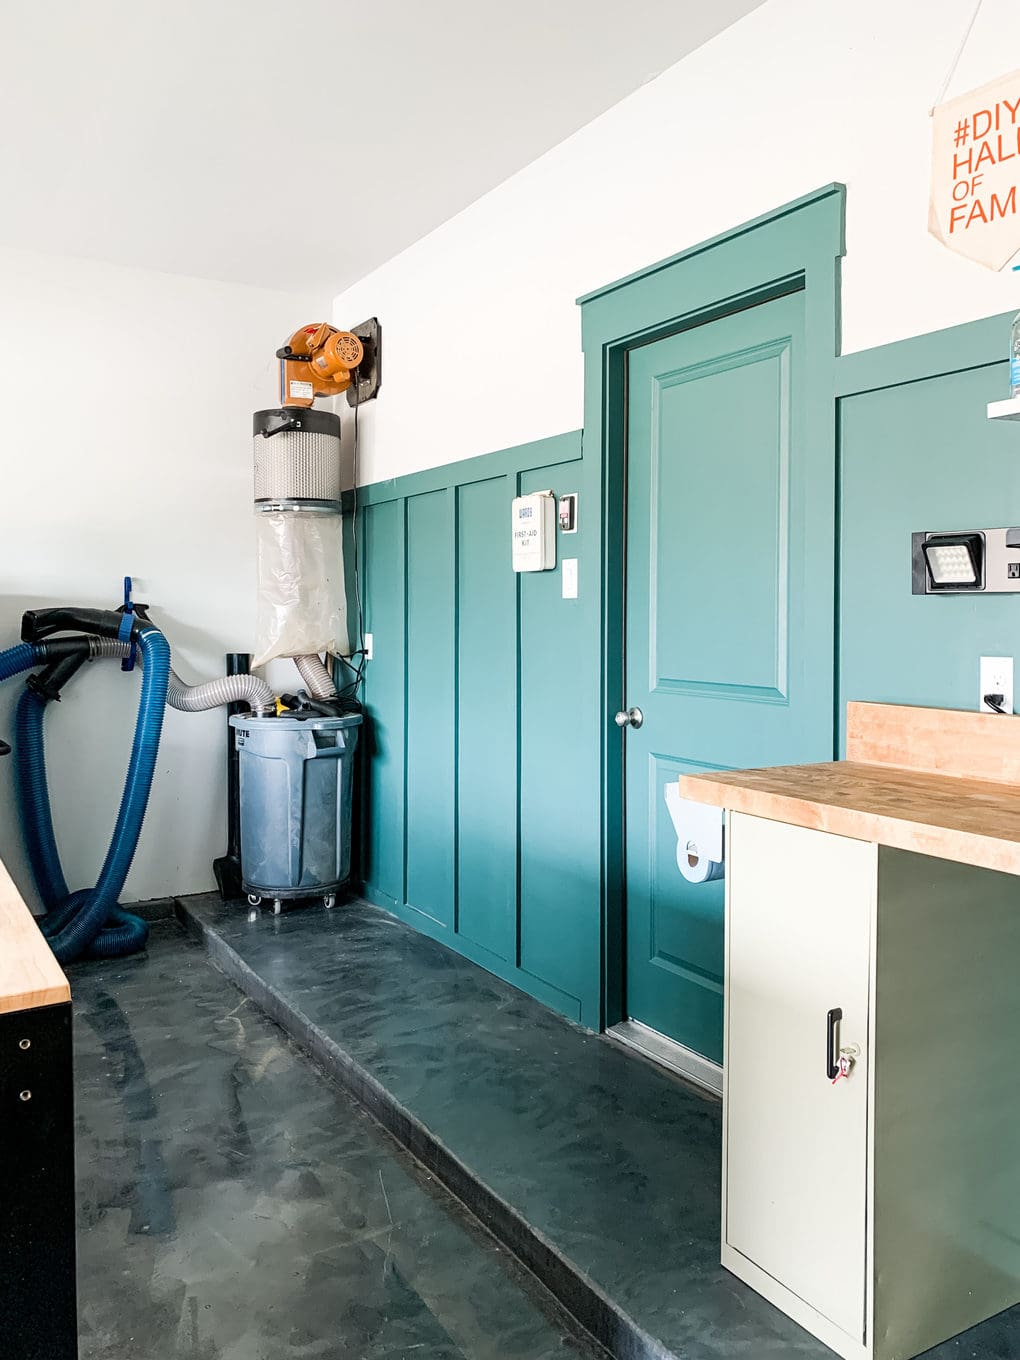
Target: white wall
pixel 481 334
pixel 126 434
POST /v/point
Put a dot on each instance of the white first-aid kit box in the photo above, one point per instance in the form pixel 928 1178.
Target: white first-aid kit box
pixel 533 527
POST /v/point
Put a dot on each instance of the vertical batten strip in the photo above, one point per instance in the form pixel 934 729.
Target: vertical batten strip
pixel 453 498
pixel 406 693
pixel 518 743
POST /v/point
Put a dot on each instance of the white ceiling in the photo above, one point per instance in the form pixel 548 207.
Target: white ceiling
pixel 299 146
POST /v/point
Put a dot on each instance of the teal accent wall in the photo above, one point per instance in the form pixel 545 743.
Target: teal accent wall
pixel 490 808
pixel 492 793
pixel 480 794
pixel 916 451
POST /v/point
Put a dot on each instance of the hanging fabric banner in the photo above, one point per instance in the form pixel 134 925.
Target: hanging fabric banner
pixel 975 173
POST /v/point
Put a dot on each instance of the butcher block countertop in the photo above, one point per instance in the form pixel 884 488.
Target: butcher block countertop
pixel 29 974
pixel 935 781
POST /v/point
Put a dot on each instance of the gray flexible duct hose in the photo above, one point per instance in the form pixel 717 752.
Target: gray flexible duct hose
pixel 100 646
pixel 226 689
pixel 317 678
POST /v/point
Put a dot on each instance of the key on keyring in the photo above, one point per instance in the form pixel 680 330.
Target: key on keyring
pixel 845 1064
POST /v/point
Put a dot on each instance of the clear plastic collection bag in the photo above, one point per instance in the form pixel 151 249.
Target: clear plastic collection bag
pixel 301 602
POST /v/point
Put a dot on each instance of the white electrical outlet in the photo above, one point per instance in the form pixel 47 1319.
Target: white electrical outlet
pixel 367 644
pixel 996 678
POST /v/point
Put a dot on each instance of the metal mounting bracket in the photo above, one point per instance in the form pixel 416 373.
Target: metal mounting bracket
pixel 369 371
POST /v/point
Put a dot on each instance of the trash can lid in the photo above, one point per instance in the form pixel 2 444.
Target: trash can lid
pixel 318 722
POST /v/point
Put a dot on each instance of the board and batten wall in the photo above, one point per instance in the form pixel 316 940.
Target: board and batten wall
pixel 481 779
pixel 917 452
pixel 479 804
pixel 795 95
pixel 134 466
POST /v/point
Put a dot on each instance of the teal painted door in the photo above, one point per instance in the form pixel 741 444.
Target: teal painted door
pixel 729 621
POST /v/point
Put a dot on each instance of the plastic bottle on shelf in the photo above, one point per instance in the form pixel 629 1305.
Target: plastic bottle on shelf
pixel 1014 352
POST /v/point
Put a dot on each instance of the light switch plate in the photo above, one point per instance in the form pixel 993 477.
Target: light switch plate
pixel 570 578
pixel 996 675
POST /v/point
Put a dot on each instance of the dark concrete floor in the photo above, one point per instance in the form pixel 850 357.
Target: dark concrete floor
pixel 612 1162
pixel 235 1205
pixel 615 1166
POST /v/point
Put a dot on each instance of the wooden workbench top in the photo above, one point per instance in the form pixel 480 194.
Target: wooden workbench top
pixel 29 974
pixel 908 782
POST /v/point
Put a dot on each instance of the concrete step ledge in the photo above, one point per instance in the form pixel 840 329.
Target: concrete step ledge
pixel 599 1315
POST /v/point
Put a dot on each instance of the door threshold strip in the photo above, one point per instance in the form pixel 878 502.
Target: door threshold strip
pixel 693 1067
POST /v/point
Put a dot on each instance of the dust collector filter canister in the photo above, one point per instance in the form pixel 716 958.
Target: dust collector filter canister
pixel 297 459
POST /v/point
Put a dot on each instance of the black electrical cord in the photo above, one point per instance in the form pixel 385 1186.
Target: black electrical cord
pixel 349 692
pixel 995 702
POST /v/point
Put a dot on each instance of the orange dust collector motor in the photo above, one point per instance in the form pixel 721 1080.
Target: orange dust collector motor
pixel 297 449
pixel 318 361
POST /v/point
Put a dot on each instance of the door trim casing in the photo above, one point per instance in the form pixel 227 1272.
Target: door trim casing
pixel 797 247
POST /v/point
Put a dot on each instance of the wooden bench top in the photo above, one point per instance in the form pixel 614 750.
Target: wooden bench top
pixel 29 974
pixel 935 781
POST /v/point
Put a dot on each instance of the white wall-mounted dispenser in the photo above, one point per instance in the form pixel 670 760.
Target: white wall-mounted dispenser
pixel 699 835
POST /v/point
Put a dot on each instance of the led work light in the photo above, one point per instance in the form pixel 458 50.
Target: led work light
pixel 954 561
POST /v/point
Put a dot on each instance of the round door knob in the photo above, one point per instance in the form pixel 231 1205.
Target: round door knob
pixel 629 717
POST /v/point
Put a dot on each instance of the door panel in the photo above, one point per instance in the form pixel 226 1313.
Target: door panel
pixel 684 922
pixel 715 512
pixel 729 625
pixel 800 911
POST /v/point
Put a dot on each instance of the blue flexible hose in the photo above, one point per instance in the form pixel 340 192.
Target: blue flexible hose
pixel 34 801
pixel 17 659
pixel 88 922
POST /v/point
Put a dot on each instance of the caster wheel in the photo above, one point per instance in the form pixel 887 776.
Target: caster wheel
pixel 329 900
pixel 277 907
pixel 254 900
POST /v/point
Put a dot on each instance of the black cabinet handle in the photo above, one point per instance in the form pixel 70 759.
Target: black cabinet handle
pixel 831 1059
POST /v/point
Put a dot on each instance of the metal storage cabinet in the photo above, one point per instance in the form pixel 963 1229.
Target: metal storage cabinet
pixel 38 1303
pixel 882 1212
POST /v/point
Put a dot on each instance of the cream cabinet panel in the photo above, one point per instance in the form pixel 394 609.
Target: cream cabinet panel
pixel 799 924
pixel 880 1210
